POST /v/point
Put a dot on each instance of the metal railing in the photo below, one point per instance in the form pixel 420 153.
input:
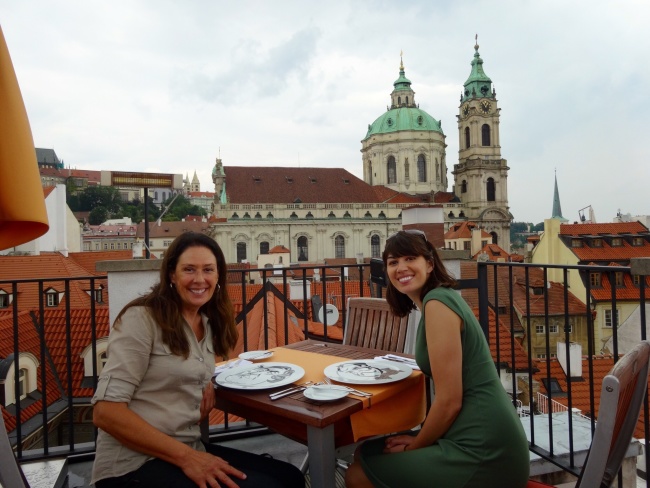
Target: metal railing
pixel 49 420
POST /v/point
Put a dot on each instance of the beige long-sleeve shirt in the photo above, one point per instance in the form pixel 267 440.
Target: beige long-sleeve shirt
pixel 162 388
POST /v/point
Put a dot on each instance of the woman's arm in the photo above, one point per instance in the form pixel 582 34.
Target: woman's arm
pixel 135 433
pixel 443 329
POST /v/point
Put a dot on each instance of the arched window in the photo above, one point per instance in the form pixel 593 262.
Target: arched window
pixel 463 186
pixel 241 252
pixel 392 170
pixel 422 169
pixel 339 247
pixel 264 247
pixel 491 190
pixel 399 100
pixel 303 252
pixel 466 137
pixel 495 237
pixel 485 135
pixel 375 251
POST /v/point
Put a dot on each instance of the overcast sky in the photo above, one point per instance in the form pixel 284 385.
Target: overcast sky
pixel 162 85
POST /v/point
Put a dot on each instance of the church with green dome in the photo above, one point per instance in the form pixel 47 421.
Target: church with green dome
pixel 321 214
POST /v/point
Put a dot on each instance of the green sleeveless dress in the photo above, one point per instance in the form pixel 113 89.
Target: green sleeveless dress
pixel 485 447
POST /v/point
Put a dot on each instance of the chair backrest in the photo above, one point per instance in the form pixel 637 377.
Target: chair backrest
pixel 621 398
pixel 10 473
pixel 370 323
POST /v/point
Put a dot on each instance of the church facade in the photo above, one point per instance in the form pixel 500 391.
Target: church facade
pixel 325 213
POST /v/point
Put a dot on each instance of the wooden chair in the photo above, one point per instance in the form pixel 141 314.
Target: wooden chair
pixel 621 398
pixel 370 323
pixel 10 473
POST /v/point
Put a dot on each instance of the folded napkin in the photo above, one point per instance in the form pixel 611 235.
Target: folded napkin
pixel 231 364
pixel 399 359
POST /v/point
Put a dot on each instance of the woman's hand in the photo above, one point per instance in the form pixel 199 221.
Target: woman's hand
pixel 209 471
pixel 398 443
pixel 207 402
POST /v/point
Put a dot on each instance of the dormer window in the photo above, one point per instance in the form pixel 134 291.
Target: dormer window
pixel 552 386
pixel 312 179
pixel 51 297
pixel 576 243
pixel 594 279
pixel 289 179
pixel 637 241
pixel 617 242
pixel 597 242
pixel 5 299
pixel 619 279
pixel 257 179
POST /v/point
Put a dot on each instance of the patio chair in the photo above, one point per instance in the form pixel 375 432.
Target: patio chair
pixel 622 395
pixel 370 323
pixel 10 473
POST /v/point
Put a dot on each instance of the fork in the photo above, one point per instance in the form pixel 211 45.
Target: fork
pixel 354 391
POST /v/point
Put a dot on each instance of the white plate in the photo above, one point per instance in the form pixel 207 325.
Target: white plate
pixel 367 372
pixel 259 376
pixel 255 355
pixel 324 394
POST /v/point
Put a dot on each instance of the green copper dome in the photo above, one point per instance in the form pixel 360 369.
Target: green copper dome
pixel 403 113
pixel 403 118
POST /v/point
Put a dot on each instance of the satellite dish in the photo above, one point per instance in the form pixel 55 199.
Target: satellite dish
pixel 332 314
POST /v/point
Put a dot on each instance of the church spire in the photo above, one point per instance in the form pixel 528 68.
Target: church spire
pixel 478 85
pixel 557 208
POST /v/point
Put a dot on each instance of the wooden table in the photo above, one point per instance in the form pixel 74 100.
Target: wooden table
pixel 321 426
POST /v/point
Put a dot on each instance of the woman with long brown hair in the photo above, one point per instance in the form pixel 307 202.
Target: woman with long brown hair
pixel 154 388
pixel 471 437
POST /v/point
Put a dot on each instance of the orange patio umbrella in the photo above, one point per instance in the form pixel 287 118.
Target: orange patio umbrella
pixel 23 217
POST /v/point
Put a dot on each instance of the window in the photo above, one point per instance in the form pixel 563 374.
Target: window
pixel 491 190
pixel 167 243
pixel 594 279
pixel 576 242
pixel 96 246
pixel 466 137
pixel 485 135
pixel 99 295
pixel 51 298
pixel 598 243
pixel 264 247
pixel 4 299
pixel 392 170
pixel 303 251
pixel 106 246
pixel 539 329
pixel 636 279
pixel 617 242
pixel 552 385
pixel 637 241
pixel 422 169
pixel 112 246
pixel 619 278
pixel 467 245
pixel 375 250
pixel 552 329
pixel 609 316
pixel 22 384
pixel 339 247
pixel 241 252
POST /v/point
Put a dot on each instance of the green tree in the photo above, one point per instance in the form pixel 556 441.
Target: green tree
pixel 98 215
pixel 104 196
pixel 180 208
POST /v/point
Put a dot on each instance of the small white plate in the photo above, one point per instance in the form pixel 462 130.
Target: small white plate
pixel 324 394
pixel 255 355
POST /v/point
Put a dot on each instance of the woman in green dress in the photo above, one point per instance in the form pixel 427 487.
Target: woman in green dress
pixel 472 436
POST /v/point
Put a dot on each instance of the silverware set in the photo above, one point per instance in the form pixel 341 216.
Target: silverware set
pixel 325 384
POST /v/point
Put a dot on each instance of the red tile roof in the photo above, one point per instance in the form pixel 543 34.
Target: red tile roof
pixel 270 184
pixel 605 228
pixel 463 230
pixel 171 229
pixel 580 388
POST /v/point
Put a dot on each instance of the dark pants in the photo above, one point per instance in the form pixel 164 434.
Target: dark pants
pixel 261 471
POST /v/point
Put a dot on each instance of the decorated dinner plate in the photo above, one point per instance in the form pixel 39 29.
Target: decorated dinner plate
pixel 367 372
pixel 255 355
pixel 259 376
pixel 325 394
